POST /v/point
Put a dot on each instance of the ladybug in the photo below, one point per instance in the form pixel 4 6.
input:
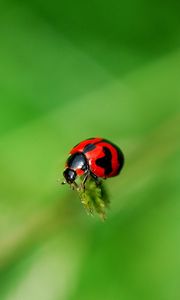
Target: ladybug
pixel 94 157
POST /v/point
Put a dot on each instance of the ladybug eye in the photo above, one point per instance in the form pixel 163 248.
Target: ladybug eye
pixel 69 175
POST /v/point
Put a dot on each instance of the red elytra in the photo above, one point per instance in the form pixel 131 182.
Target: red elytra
pixel 97 157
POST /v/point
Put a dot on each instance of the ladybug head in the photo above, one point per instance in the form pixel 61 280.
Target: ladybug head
pixel 69 175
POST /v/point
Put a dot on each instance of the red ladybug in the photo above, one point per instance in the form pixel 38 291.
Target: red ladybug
pixel 95 157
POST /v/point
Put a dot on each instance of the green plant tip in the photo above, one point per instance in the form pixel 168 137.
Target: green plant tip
pixel 94 198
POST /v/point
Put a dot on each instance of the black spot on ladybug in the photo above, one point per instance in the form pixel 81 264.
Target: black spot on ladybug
pixel 80 142
pixel 105 161
pixel 89 147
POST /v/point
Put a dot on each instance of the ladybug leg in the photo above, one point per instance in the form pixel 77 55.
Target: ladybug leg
pixel 85 179
pixel 74 186
pixel 96 179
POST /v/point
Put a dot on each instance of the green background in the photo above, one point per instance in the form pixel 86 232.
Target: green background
pixel 70 71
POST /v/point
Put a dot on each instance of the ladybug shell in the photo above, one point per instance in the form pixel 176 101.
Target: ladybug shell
pixel 104 158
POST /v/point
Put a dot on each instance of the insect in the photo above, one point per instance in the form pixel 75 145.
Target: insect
pixel 95 158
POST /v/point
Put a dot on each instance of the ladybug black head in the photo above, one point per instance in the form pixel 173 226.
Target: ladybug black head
pixel 69 175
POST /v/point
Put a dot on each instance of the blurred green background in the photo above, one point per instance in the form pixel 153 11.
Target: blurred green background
pixel 69 71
